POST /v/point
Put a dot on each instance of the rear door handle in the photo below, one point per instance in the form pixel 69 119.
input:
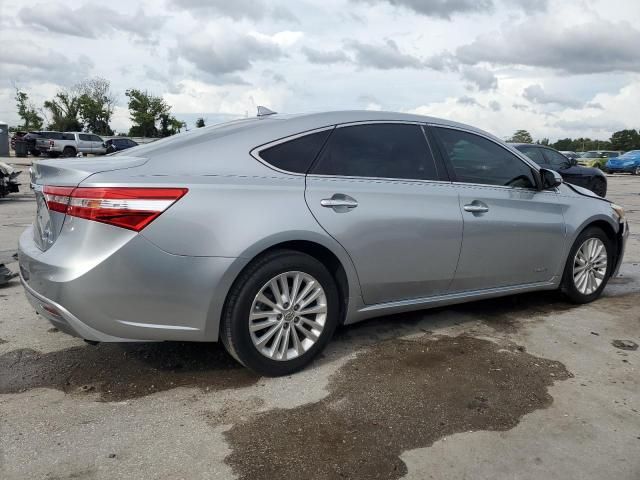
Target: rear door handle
pixel 476 207
pixel 339 202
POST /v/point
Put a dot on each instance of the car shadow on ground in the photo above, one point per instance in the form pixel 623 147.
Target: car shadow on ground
pixel 116 372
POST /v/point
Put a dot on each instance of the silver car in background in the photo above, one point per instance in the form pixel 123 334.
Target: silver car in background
pixel 268 233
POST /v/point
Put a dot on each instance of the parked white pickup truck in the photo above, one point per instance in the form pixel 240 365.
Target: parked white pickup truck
pixel 70 144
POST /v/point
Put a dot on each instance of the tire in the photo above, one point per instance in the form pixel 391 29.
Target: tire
pixel 35 153
pixel 571 284
pixel 68 152
pixel 599 187
pixel 636 171
pixel 242 343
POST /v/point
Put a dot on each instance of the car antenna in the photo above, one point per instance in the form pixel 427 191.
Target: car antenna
pixel 264 111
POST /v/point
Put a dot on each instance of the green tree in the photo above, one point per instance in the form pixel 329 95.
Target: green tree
pixel 521 136
pixel 169 125
pixel 64 109
pixel 625 140
pixel 565 145
pixel 146 111
pixel 96 104
pixel 200 122
pixel 27 112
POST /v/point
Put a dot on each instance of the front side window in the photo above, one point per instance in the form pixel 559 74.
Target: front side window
pixel 295 155
pixel 381 150
pixel 95 138
pixel 85 137
pixel 476 159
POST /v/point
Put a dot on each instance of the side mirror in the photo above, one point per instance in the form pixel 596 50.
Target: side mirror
pixel 550 178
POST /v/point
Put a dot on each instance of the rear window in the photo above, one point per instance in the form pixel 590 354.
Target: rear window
pixel 296 155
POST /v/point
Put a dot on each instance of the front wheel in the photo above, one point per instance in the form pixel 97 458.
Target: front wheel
pixel 280 313
pixel 636 171
pixel 68 152
pixel 588 267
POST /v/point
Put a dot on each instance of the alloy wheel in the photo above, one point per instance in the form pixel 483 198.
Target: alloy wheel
pixel 288 315
pixel 590 266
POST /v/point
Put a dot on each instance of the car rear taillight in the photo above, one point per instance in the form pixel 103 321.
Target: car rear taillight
pixel 127 207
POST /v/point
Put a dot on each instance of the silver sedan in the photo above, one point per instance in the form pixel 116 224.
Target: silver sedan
pixel 268 233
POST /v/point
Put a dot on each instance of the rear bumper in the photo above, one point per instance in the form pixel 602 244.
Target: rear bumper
pixel 62 319
pixel 126 289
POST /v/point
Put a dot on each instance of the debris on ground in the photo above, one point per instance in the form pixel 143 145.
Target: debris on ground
pixel 6 274
pixel 625 344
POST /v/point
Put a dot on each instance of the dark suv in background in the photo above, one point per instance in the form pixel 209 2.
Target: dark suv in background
pixel 117 144
pixel 571 172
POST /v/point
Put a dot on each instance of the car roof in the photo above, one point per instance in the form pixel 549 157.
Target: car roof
pixel 529 145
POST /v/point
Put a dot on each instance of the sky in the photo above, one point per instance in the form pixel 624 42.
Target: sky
pixel 563 68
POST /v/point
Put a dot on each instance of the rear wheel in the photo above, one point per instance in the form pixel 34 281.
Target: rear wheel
pixel 69 152
pixel 588 267
pixel 35 153
pixel 636 171
pixel 280 313
pixel 599 187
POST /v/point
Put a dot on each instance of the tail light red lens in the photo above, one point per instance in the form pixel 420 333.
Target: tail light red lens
pixel 126 207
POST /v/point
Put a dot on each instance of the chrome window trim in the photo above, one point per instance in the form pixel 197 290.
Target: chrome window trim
pixel 378 179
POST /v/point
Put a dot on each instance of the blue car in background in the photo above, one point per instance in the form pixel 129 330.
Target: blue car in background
pixel 626 163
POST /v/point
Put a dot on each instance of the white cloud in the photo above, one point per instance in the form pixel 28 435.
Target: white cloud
pixel 465 60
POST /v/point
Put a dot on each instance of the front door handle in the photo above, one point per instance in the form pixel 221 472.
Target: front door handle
pixel 339 202
pixel 476 207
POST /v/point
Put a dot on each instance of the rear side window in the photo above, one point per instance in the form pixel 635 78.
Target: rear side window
pixel 556 160
pixel 388 150
pixel 476 159
pixel 68 136
pixel 295 155
pixel 534 154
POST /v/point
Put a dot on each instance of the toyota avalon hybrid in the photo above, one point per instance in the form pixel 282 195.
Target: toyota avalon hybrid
pixel 268 233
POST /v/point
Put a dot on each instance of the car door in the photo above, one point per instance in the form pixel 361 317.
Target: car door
pixel 513 233
pixel 376 189
pixel 97 145
pixel 84 143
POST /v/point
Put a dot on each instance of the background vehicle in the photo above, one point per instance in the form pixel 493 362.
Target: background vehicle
pixel 570 155
pixel 31 139
pixel 597 158
pixel 8 180
pixel 547 157
pixel 117 144
pixel 14 137
pixel 280 228
pixel 69 144
pixel 626 163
